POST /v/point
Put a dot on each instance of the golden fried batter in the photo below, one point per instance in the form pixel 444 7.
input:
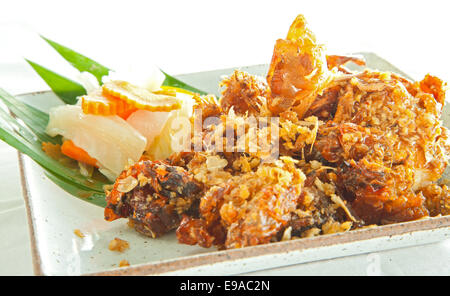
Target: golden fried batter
pixel 388 142
pixel 245 93
pixel 248 209
pixel 337 61
pixel 153 195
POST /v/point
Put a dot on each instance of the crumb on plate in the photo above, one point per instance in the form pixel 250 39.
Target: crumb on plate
pixel 78 233
pixel 124 263
pixel 118 245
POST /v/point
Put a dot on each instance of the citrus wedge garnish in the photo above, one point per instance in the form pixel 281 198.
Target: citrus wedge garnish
pixel 167 89
pixel 97 103
pixel 141 98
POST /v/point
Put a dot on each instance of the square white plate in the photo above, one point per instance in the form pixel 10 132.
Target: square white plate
pixel 54 214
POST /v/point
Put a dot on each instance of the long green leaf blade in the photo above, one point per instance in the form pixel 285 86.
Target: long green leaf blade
pixel 14 133
pixel 86 195
pixel 33 118
pixel 79 61
pixel 65 88
pixel 83 63
pixel 172 81
pixel 94 196
pixel 34 151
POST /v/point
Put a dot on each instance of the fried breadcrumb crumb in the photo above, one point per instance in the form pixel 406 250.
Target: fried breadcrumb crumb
pixel 78 233
pixel 124 263
pixel 118 245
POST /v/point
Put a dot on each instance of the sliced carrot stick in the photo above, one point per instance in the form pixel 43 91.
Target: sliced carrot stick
pixel 69 149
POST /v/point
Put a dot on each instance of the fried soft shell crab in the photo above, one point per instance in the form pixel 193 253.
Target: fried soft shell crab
pixel 356 149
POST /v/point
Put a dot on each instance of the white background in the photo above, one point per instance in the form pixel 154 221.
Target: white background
pixel 191 36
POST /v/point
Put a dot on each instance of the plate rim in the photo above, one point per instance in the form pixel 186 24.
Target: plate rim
pixel 35 255
pixel 326 240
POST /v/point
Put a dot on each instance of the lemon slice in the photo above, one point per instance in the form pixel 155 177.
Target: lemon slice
pixel 175 89
pixel 97 103
pixel 141 98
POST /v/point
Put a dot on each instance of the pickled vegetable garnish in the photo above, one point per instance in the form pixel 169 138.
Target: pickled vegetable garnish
pixel 141 98
pixel 97 103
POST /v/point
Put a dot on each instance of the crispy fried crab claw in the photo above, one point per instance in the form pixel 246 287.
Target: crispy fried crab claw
pixel 298 71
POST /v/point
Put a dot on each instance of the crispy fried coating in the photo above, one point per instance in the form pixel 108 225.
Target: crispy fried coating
pixel 337 61
pixel 354 149
pixel 388 142
pixel 325 105
pixel 241 136
pixel 437 199
pixel 320 210
pixel 298 71
pixel 431 85
pixel 373 177
pixel 243 92
pixel 248 209
pixel 153 195
pixel 208 105
pixel 194 231
pixel 297 136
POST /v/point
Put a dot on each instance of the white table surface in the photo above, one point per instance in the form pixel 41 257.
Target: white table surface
pixel 193 36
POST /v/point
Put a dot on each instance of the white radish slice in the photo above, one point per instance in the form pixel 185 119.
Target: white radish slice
pixel 162 146
pixel 109 139
pixel 148 123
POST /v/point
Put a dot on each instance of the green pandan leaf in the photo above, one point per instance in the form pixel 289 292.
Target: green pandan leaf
pixel 172 81
pixel 24 129
pixel 93 197
pixel 79 61
pixel 83 63
pixel 65 88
